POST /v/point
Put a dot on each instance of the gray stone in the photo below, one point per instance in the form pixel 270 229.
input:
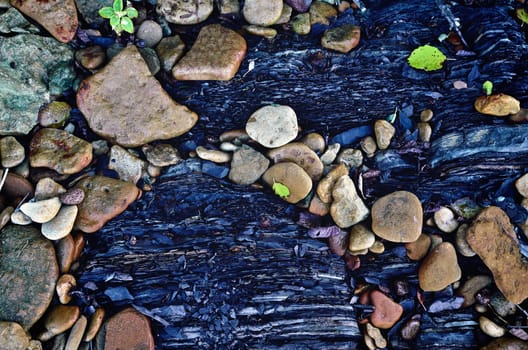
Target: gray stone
pixel 89 10
pixel 13 336
pixel 11 151
pixel 262 13
pixel 24 58
pixel 169 51
pixel 247 166
pixel 150 32
pixel 61 225
pixel 185 11
pixel 161 155
pixel 12 21
pixel 151 59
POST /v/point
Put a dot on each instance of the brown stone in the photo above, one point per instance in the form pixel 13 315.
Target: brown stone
pixel 439 268
pixel 315 142
pixel 65 253
pixel 247 166
pixel 386 311
pixel 28 274
pixel 318 207
pixel 493 238
pixel 506 344
pixel 105 199
pixel 58 17
pixel 384 132
pixel 471 287
pixel 397 217
pixel 292 176
pixel 76 335
pixel 522 185
pixel 54 114
pixel 499 105
pixel 58 319
pixel 96 321
pixel 109 92
pixel 347 208
pixel 418 249
pixel 91 57
pixel 16 186
pixel 326 185
pixel 301 155
pixel 65 284
pixel 13 336
pixel 216 55
pixel 342 39
pixel 321 12
pixel 128 329
pixel 169 51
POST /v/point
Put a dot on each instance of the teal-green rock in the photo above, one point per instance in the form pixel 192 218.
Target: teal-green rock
pixel 12 21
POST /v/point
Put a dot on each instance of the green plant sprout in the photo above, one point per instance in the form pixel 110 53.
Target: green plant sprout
pixel 522 15
pixel 280 190
pixel 488 87
pixel 120 20
pixel 426 57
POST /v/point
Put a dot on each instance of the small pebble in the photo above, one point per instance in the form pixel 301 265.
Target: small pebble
pixel 321 12
pixel 315 142
pixel 445 220
pixel 491 328
pixel 352 158
pixel 331 153
pixel 342 39
pixel 410 329
pixel 384 132
pixel 72 196
pixel 375 333
pixel 360 238
pixel 48 188
pixel 418 249
pixel 285 14
pixel 65 284
pixel 65 250
pixel 212 155
pixel 386 312
pixel 377 248
pixel 459 84
pixel 461 243
pixel 229 147
pixel 5 216
pixel 100 147
pixel 19 218
pixel 42 211
pixel 498 105
pixel 262 13
pixel 54 114
pixel 76 334
pixel 11 151
pixel 62 224
pixel 57 320
pixel 162 154
pixel 301 24
pixel 521 184
pixel 150 32
pixel 426 115
pixel 91 57
pixel 369 146
pixel 261 31
pixel 424 132
pixel 96 320
pixel 169 51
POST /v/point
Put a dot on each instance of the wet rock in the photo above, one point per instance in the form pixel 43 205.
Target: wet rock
pixel 347 208
pixel 54 114
pixel 341 39
pixel 301 24
pixel 96 321
pixel 65 253
pixel 58 320
pixel 60 151
pixel 62 224
pixel 493 238
pixel 105 199
pixel 522 185
pixel 76 334
pixel 13 336
pixel 369 146
pixel 499 105
pixel 445 220
pixel 169 51
pixel 321 12
pixel 151 59
pixel 247 166
pixel 11 151
pixel 501 305
pixel 384 132
pixel 129 167
pixel 47 188
pixel 424 132
pixel 301 155
pixel 29 271
pixel 150 32
pixel 315 142
pixel 89 9
pixel 352 158
pixel 273 126
pixel 299 5
pixel 215 55
pixel 292 176
pixel 418 249
pixel 72 196
pixel 360 238
pixel 331 153
pixel 491 328
pixel 41 211
pixel 506 344
pixel 16 186
pixel 326 185
pixel 12 21
pixel 128 329
pixel 318 207
pixel 285 14
pixel 471 287
pixel 65 284
pixel 214 156
pixel 397 217
pixel 338 242
pixel 185 11
pixel 226 7
pixel 461 242
pixel 426 115
pixel 108 92
pixel 58 17
pixel 91 57
pixel 262 13
pixel 265 32
pixel 410 329
pixel 439 269
pixel 386 311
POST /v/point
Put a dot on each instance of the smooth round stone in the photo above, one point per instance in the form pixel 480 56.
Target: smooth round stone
pixel 418 249
pixel 461 242
pixel 521 184
pixel 65 253
pixel 491 328
pixel 341 39
pixel 424 132
pixel 58 320
pixel 352 158
pixel 150 32
pixel 19 218
pixel 185 11
pixel 29 272
pixel 377 248
pixel 13 336
pixel 360 238
pixel 502 306
pixel 42 211
pixel 410 329
pixel 273 126
pixel 347 208
pixel 16 186
pixel 301 155
pixel 326 185
pixel 128 329
pixel 162 155
pixel 72 196
pixel 262 13
pixel 76 334
pixel 397 217
pixel 91 57
pixel 384 132
pixel 96 321
pixel 498 105
pixel 64 285
pixel 301 24
pixel 471 287
pixel 439 269
pixel 369 146
pixel 62 224
pixel 11 151
pixel 426 115
pixel 386 311
pixel 315 142
pixel 214 156
pixel 265 32
pixel 247 166
pixel 47 188
pixel 331 153
pixel 445 220
pixel 292 176
pixel 54 114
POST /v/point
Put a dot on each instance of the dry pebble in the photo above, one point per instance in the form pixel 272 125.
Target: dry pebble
pixel 213 155
pixel 361 238
pixel 347 208
pixel 506 344
pixel 377 248
pixel 369 146
pixel 321 12
pixel 128 329
pixel 439 269
pixel 185 11
pixel 47 188
pixel 161 154
pixel 19 218
pixel 376 335
pixel 72 196
pixel 491 328
pixel 424 132
pixel 62 224
pixel 226 7
pixel 445 220
pixel 129 167
pixel 410 329
pixel 265 32
pixel 273 126
pixel 342 39
pixel 42 211
pixel 326 185
pixel 471 287
pixel 95 323
pixel 13 336
pixel 301 155
pixel 247 166
pixel 5 216
pixel 150 32
pixel 331 153
pixel 315 142
pixel 57 320
pixel 65 284
pixel 76 334
pixel 301 24
pixel 426 115
pixel 499 105
pixel 461 242
pixel 91 57
pixel 65 249
pixel 352 158
pixel 262 13
pixel 318 207
pixel 386 312
pixel 522 185
pixel 292 176
pixel 384 132
pixel 418 249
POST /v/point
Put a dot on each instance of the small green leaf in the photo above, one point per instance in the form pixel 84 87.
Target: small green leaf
pixel 426 57
pixel 118 29
pixel 114 21
pixel 488 87
pixel 118 5
pixel 281 190
pixel 131 12
pixel 522 15
pixel 127 25
pixel 106 12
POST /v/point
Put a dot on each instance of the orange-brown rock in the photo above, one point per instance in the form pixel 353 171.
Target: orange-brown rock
pixel 58 319
pixel 499 105
pixel 386 311
pixel 341 39
pixel 292 176
pixel 439 268
pixel 492 237
pixel 128 329
pixel 300 154
pixel 418 249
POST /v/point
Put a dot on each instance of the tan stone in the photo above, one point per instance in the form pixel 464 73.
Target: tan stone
pixel 386 311
pixel 471 287
pixel 65 253
pixel 185 11
pixel 493 238
pixel 506 344
pixel 321 12
pixel 499 105
pixel 384 132
pixel 262 13
pixel 418 249
pixel 426 115
pixel 11 151
pixel 318 207
pixel 41 211
pixel 13 336
pixel 347 208
pixel 522 185
pixel 247 166
pixel 315 142
pixel 265 32
pixel 76 334
pixel 47 188
pixel 273 126
pixel 215 55
pixel 300 154
pixel 424 131
pixel 326 185
pixel 445 220
pixel 369 146
pixel 61 225
pixel 213 155
pixel 169 51
pixel 129 167
pixel 54 114
pixel 65 284
pixel 377 248
pixel 461 242
pixel 360 238
pixel 128 329
pixel 58 319
pixel 91 57
pixel 292 176
pixel 109 92
pixel 96 321
pixel 491 328
pixel 105 199
pixel 341 39
pixel 439 268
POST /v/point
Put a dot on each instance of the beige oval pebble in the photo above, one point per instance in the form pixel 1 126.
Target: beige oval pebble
pixel 19 218
pixel 331 153
pixel 375 333
pixel 64 285
pixel 369 146
pixel 213 155
pixel 58 319
pixel 326 185
pixel 263 13
pixel 95 324
pixel 315 142
pixel 47 188
pixel 76 334
pixel 499 105
pixel 491 328
pixel 461 242
pixel 445 220
pixel 11 151
pixel 273 126
pixel 377 248
pixel 424 132
pixel 265 32
pixel 360 238
pixel 42 211
pixel 384 132
pixel 426 115
pixel 62 224
pixel 292 176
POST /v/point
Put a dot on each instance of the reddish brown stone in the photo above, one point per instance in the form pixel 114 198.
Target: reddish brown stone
pixel 386 312
pixel 439 269
pixel 418 249
pixel 128 330
pixel 17 186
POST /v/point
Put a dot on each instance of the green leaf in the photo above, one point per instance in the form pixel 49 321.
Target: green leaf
pixel 114 21
pixel 106 12
pixel 488 87
pixel 127 25
pixel 281 190
pixel 118 29
pixel 522 15
pixel 118 5
pixel 131 12
pixel 426 57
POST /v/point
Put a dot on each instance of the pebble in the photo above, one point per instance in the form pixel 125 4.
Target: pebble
pixel 376 335
pixel 72 196
pixel 153 171
pixel 234 136
pixel 215 55
pixel 493 238
pixel 315 142
pixel 386 311
pixel 265 32
pixel 331 153
pixel 491 328
pixel 47 188
pixel 369 146
pixel 185 11
pixel 28 263
pixel 301 155
pixel 439 269
pixel 498 105
pixel 76 334
pixel 347 208
pixel 418 249
pixel 273 126
pixel 459 84
pixel 42 211
pixel 461 242
pixel 445 220
pixel 128 329
pixel 58 150
pixel 521 184
pixel 150 32
pixel 506 344
pixel 520 116
pixel 397 217
pixel 301 24
pixel 229 147
pixel 22 169
pixel 377 248
pixel 352 158
pixel 321 12
pixel 426 115
pixel 5 216
pixel 151 59
pixel 105 198
pixel 424 132
pixel 342 39
pixel 96 321
pixel 213 155
pixel 318 207
pixel 360 238
pixel 501 305
pixel 16 186
pixel 227 7
pixel 11 151
pixel 91 57
pixel 471 287
pixel 65 249
pixel 54 114
pixel 65 284
pixel 369 342
pixel 338 243
pixel 13 336
pixel 247 166
pixel 262 13
pixel 169 51
pixel 98 98
pixel 384 132
pixel 299 5
pixel 410 329
pixel 161 155
pixel 292 176
pixel 19 218
pixel 326 185
pixel 58 319
pixel 62 224
pixel 285 14
pixel 129 167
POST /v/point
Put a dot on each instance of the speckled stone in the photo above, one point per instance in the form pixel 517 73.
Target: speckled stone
pixel 342 39
pixel 247 166
pixel 347 208
pixel 54 114
pixel 273 126
pixel 185 11
pixel 321 12
pixel 301 155
pixel 11 151
pixel 128 329
pixel 262 13
pixel 91 57
pixel 13 336
pixel 439 269
pixel 169 51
